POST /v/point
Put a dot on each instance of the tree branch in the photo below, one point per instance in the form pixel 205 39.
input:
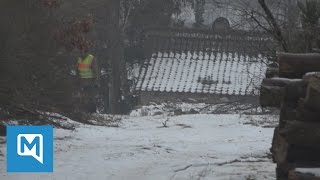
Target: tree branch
pixel 274 25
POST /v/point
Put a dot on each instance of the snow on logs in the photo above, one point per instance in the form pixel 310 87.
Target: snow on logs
pixel 296 141
pixel 293 66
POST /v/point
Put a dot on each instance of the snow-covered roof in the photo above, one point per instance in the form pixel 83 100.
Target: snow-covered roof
pixel 202 62
pixel 198 72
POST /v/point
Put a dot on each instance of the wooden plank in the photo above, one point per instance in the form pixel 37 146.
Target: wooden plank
pixel 297 65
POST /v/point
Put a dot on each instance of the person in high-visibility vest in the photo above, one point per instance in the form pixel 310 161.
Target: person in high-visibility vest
pixel 85 67
pixel 88 75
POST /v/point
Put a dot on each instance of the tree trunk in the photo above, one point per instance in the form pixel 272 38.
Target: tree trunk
pixel 116 56
pixel 277 33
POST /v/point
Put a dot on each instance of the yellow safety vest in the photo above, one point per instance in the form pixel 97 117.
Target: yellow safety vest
pixel 84 67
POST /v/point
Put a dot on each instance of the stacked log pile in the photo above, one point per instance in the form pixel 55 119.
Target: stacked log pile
pixel 296 141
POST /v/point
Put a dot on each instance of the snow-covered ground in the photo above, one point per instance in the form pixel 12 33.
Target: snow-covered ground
pixel 203 146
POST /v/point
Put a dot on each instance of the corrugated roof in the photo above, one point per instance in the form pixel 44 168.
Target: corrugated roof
pixel 198 72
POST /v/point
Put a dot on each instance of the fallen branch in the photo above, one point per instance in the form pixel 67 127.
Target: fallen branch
pixel 229 162
pixel 183 169
pixel 237 160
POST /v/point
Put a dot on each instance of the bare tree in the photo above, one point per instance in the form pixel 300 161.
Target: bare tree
pixel 310 15
pixel 274 26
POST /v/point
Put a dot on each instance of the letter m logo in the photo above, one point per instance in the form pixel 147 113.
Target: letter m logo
pixel 30 145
